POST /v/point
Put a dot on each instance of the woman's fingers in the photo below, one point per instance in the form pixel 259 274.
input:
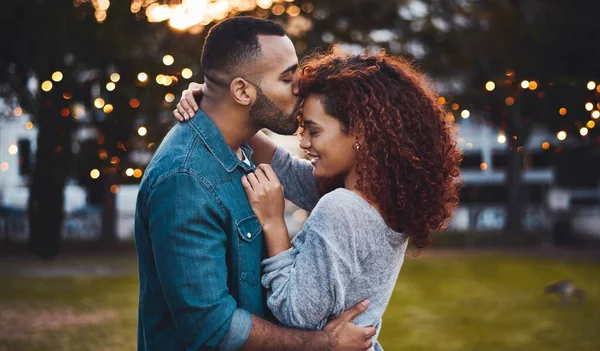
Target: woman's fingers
pixel 268 172
pixel 178 116
pixel 247 186
pixel 194 89
pixel 187 110
pixel 254 182
pixel 262 178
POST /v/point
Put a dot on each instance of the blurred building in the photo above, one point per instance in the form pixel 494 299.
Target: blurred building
pixel 482 199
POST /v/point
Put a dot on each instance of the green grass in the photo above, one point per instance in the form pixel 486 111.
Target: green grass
pixel 441 302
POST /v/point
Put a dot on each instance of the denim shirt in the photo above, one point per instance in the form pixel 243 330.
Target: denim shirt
pixel 199 244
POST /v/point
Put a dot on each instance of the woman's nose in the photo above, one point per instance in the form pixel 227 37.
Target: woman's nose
pixel 304 142
pixel 295 88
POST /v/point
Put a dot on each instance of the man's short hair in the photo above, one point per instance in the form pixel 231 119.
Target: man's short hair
pixel 233 43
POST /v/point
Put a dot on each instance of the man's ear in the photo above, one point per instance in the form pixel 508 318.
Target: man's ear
pixel 242 91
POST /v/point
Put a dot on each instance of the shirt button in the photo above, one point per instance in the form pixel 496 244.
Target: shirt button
pixel 249 235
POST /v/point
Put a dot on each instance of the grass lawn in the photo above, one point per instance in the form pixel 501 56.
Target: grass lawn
pixel 470 302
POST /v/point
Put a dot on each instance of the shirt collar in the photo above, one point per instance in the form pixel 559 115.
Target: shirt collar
pixel 214 141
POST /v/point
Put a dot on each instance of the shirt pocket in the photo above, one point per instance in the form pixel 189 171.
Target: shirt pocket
pixel 249 249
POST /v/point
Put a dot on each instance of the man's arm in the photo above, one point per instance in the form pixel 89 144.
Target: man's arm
pixel 339 334
pixel 189 247
pixel 189 244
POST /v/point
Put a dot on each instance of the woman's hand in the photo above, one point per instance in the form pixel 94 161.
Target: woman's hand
pixel 187 106
pixel 265 195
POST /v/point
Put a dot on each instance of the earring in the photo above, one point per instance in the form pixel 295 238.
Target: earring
pixel 356 146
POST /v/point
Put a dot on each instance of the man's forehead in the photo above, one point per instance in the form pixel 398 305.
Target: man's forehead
pixel 277 52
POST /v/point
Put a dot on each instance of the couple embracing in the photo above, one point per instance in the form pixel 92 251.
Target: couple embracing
pixel 217 268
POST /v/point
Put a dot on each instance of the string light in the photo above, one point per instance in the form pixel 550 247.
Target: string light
pixel 293 11
pixel 137 173
pixel 525 84
pixel 483 166
pixel 142 77
pixel 168 60
pixel 562 135
pixel 129 172
pixel 545 145
pixel 186 73
pixel 308 7
pixel 589 106
pixel 590 124
pixel 278 10
pixel 115 77
pixel 99 103
pixel 562 111
pixel 108 108
pixel 169 97
pixel 509 101
pixel 489 86
pixel 94 173
pixel 465 114
pixel 18 111
pixel 595 114
pixel 13 149
pixel 142 131
pixel 114 188
pixel 501 138
pixel 28 125
pixel 533 85
pixel 583 131
pixel 57 76
pixel 591 85
pixel 47 85
pixel 110 86
pixel 134 103
pixel 4 166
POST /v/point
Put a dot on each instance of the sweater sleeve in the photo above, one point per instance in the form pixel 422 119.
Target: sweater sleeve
pixel 296 177
pixel 307 284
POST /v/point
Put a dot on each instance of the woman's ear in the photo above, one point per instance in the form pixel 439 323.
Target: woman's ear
pixel 242 91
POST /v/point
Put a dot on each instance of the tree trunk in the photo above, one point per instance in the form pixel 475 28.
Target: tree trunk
pixel 108 235
pixel 46 199
pixel 514 182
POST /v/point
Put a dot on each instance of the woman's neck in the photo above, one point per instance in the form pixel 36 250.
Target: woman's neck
pixel 351 183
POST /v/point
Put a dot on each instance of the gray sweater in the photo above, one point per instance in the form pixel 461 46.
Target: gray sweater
pixel 344 253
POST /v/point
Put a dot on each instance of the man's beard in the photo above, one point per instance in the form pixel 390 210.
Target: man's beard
pixel 265 114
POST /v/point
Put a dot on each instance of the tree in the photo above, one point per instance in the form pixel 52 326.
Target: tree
pixel 62 46
pixel 468 45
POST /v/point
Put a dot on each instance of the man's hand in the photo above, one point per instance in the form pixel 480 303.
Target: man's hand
pixel 187 106
pixel 339 334
pixel 344 335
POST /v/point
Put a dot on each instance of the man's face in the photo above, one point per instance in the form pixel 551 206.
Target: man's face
pixel 277 104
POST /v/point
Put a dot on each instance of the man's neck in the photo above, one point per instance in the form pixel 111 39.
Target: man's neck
pixel 232 124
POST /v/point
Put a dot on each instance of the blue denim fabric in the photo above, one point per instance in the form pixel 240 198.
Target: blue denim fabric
pixel 199 244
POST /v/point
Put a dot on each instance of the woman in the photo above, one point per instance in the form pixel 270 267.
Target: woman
pixel 383 157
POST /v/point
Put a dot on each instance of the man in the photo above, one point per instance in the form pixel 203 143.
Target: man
pixel 199 244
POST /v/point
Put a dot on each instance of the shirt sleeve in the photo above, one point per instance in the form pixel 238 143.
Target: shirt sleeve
pixel 296 177
pixel 306 284
pixel 189 244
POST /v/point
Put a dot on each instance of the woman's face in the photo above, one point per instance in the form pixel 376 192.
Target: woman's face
pixel 329 147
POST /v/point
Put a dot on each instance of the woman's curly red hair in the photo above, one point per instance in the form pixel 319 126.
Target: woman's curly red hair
pixel 407 161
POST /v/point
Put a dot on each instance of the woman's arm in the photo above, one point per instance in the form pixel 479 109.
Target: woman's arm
pixel 264 148
pixel 307 284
